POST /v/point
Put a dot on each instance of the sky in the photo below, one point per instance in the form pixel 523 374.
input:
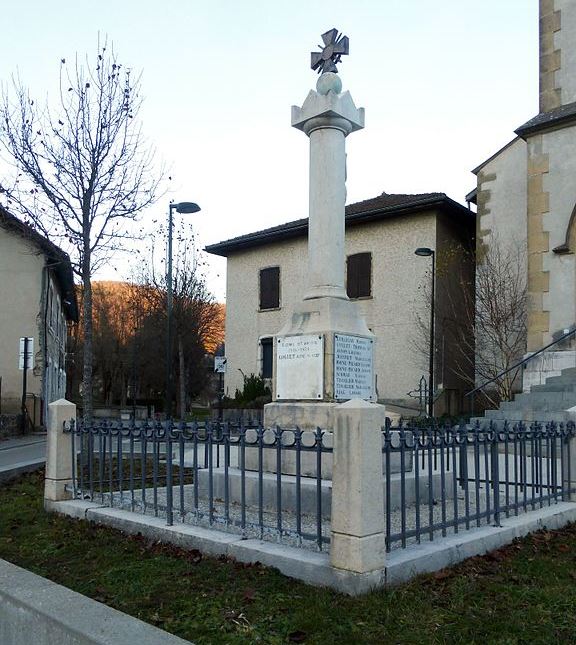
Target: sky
pixel 444 84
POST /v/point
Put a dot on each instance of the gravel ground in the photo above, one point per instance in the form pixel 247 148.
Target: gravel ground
pixel 287 532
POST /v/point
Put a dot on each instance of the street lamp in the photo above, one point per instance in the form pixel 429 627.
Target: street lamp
pixel 182 207
pixel 425 252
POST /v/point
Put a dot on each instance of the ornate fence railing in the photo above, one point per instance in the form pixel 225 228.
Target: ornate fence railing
pixel 220 475
pixel 464 477
pixel 274 483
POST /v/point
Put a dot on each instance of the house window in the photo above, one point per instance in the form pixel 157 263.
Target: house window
pixel 359 275
pixel 270 288
pixel 267 346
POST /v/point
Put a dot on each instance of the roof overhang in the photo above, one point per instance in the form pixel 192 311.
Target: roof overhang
pixel 562 117
pixel 356 214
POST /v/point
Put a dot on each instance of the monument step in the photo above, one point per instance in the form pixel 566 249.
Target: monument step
pixel 564 399
pixel 527 416
pixel 308 489
pixel 545 402
pixel 551 387
pixel 308 458
pixel 567 376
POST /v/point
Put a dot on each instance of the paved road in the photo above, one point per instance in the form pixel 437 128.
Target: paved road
pixel 20 454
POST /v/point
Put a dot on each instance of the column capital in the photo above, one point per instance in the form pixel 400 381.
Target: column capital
pixel 329 110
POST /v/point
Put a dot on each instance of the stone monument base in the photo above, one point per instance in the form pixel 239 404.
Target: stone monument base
pixel 307 417
pixel 303 415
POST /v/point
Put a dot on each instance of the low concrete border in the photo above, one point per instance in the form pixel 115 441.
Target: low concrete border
pixel 36 610
pixel 313 567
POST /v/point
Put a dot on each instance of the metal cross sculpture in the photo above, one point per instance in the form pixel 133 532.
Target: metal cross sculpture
pixel 335 46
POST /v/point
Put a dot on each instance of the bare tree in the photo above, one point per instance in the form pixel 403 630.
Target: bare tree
pixel 482 319
pixel 198 320
pixel 83 168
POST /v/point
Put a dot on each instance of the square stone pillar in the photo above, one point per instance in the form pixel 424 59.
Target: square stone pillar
pixel 358 528
pixel 59 466
pixel 569 461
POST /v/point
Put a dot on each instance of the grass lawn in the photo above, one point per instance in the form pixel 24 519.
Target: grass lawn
pixel 524 593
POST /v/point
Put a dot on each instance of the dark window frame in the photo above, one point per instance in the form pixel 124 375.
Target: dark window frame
pixel 266 356
pixel 269 288
pixel 359 275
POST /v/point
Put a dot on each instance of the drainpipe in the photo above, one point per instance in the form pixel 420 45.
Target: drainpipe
pixel 44 302
pixel 44 339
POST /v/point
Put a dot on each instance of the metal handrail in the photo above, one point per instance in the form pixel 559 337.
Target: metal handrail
pixel 524 360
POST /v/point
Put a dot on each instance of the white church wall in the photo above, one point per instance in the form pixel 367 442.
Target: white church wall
pixel 560 184
pixel 502 184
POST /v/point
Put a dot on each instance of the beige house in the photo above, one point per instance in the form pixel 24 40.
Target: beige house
pixel 266 276
pixel 526 196
pixel 37 299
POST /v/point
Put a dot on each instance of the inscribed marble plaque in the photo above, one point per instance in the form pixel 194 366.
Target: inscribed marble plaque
pixel 353 367
pixel 300 367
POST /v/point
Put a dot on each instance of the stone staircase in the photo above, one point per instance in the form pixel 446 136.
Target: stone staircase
pixel 551 401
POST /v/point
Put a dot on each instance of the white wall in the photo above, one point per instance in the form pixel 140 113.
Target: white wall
pixel 504 214
pixel 560 182
pixel 20 291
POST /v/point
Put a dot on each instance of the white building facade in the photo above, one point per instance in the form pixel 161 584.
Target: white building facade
pixel 37 300
pixel 266 276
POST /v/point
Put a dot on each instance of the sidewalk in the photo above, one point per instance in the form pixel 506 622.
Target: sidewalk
pixel 21 454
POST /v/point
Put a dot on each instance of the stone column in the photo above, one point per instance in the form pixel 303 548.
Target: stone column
pixel 327 201
pixel 327 117
pixel 58 451
pixel 304 369
pixel 358 528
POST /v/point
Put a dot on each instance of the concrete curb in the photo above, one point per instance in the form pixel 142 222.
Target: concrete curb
pixel 405 564
pixel 313 567
pixel 36 610
pixel 13 471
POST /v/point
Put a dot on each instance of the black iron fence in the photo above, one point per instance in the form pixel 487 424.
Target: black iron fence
pixel 221 475
pixel 275 483
pixel 457 478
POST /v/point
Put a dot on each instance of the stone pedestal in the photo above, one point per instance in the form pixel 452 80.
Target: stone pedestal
pixel 59 468
pixel 569 479
pixel 358 532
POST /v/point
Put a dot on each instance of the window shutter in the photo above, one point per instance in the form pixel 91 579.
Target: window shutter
pixel 359 275
pixel 266 357
pixel 270 288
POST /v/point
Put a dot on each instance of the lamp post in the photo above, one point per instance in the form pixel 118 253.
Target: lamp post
pixel 182 207
pixel 426 252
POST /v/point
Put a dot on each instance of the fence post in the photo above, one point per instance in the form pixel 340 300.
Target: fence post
pixel 358 529
pixel 58 451
pixel 569 469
